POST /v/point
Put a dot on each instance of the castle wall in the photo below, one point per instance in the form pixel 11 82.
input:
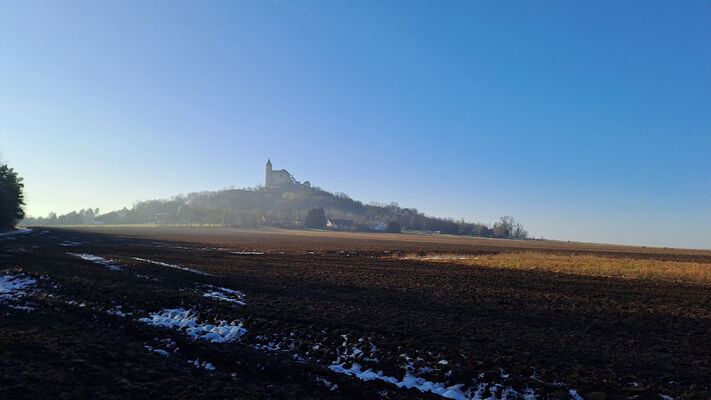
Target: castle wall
pixel 281 177
pixel 277 178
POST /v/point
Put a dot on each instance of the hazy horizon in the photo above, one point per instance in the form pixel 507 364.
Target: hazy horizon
pixel 586 122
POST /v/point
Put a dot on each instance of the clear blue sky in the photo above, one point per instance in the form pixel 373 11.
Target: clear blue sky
pixel 587 121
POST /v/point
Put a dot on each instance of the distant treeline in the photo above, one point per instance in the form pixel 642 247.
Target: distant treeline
pixel 284 206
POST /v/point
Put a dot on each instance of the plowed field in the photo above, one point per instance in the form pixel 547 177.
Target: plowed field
pixel 225 313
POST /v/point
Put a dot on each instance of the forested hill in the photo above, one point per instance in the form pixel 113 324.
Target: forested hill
pixel 284 206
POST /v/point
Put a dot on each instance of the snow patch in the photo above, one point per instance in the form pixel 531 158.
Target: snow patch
pixel 117 311
pixel 172 266
pixel 16 232
pixel 457 392
pixel 23 308
pixel 409 381
pixel 159 351
pixel 208 366
pixel 187 322
pixel 75 303
pixel 326 383
pixel 225 294
pixel 13 286
pixel 147 277
pixel 574 395
pixel 97 260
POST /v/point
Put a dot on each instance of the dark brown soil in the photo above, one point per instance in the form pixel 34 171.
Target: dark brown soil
pixel 602 337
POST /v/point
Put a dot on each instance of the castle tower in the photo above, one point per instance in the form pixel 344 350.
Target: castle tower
pixel 268 173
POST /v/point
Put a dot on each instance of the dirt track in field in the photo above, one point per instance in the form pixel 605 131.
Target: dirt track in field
pixel 312 298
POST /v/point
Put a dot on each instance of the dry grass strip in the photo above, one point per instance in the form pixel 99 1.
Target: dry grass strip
pixel 581 264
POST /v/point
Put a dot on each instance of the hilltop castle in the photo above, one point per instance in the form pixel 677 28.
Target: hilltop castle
pixel 279 178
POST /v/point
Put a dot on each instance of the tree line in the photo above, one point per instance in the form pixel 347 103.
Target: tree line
pixel 286 206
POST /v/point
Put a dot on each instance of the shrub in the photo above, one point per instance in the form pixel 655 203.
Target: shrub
pixel 315 218
pixel 394 227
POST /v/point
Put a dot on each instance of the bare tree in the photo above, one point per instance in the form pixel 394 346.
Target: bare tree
pixel 510 228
